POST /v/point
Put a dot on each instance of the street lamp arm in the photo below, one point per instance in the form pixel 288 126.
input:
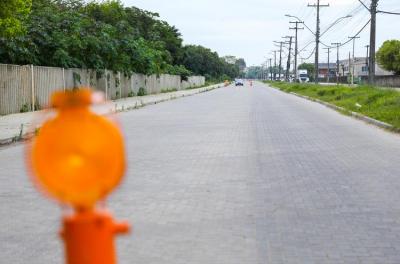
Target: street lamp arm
pixel 312 32
pixel 334 23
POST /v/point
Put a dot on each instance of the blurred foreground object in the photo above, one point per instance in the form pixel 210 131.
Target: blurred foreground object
pixel 78 158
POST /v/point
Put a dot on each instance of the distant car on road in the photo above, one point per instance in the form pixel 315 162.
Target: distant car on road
pixel 239 82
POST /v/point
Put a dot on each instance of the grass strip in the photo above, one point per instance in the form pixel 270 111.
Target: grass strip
pixel 379 104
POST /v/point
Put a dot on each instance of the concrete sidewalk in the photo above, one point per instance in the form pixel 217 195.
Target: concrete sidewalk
pixel 19 126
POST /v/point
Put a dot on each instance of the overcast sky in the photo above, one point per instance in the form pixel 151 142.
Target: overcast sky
pixel 247 28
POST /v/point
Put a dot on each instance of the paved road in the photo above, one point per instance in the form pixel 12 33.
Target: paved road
pixel 236 175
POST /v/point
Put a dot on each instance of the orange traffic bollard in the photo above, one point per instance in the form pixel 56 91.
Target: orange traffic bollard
pixel 89 237
pixel 78 158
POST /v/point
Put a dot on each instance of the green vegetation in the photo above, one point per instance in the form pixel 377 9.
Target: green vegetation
pixel 169 90
pixel 24 108
pixel 255 72
pixel 388 56
pixel 203 61
pixel 102 35
pixel 142 92
pixel 13 14
pixel 380 104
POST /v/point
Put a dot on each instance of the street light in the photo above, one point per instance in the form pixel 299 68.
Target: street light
pixel 334 23
pixel 287 15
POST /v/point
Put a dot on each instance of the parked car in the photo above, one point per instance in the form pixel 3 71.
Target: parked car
pixel 239 82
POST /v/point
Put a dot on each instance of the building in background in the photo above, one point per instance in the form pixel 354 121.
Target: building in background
pixel 345 69
pixel 323 70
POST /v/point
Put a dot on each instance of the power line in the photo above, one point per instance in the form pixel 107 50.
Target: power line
pixel 389 13
pixel 356 35
pixel 311 42
pixel 364 5
pixel 312 53
pixel 334 23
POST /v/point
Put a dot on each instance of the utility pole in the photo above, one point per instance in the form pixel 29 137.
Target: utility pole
pixel 354 59
pixel 288 61
pixel 329 65
pixel 280 61
pixel 280 57
pixel 349 62
pixel 270 68
pixel 275 51
pixel 372 42
pixel 296 28
pixel 337 61
pixel 317 35
pixel 367 58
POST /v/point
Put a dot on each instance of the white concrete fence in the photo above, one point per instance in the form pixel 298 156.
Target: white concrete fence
pixel 27 88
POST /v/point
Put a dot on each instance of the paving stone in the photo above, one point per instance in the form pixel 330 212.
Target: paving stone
pixel 236 175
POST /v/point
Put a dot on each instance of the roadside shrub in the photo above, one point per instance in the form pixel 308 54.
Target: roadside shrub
pixel 24 108
pixel 169 90
pixel 142 92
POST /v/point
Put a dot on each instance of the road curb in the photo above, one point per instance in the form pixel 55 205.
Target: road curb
pixel 28 135
pixel 358 116
pixel 171 97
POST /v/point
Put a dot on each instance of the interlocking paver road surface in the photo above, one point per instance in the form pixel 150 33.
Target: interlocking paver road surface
pixel 237 175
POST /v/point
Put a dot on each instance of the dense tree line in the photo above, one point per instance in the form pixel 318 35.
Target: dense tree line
pixel 102 35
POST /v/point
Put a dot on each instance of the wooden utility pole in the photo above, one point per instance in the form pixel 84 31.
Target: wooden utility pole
pixel 280 57
pixel 329 65
pixel 354 59
pixel 373 9
pixel 287 77
pixel 337 60
pixel 372 42
pixel 367 58
pixel 296 51
pixel 317 35
pixel 275 51
pixel 270 68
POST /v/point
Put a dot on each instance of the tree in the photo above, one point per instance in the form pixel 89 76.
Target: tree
pixel 388 56
pixel 256 72
pixel 203 61
pixel 12 16
pixel 241 64
pixel 102 35
pixel 310 67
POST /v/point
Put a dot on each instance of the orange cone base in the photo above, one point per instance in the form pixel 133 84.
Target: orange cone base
pixel 89 237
